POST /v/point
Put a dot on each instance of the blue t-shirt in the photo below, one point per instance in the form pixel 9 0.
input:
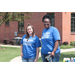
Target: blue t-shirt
pixel 49 36
pixel 29 46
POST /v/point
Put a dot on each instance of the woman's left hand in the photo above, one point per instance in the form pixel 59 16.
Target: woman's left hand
pixel 52 54
pixel 35 60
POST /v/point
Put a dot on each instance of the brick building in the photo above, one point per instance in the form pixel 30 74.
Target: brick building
pixel 63 21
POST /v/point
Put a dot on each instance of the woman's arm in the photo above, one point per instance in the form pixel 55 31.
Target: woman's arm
pixel 21 50
pixel 37 54
pixel 55 48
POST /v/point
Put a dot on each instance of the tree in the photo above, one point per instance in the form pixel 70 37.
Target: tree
pixel 14 16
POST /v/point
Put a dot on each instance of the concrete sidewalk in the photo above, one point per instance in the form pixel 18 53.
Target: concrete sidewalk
pixel 10 45
pixel 18 59
pixel 67 50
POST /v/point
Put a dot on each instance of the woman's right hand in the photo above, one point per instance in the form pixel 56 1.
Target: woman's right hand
pixel 21 54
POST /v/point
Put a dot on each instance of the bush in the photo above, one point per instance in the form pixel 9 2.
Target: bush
pixel 12 42
pixel 65 43
pixel 72 43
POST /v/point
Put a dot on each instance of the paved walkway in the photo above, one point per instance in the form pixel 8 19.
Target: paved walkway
pixel 18 59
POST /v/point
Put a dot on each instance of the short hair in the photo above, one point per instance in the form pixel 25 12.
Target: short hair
pixel 46 16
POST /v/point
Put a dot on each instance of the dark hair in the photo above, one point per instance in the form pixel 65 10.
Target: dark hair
pixel 27 35
pixel 46 16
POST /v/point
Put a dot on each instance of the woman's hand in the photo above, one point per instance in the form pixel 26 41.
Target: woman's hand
pixel 37 53
pixel 55 48
pixel 21 54
pixel 52 54
pixel 35 60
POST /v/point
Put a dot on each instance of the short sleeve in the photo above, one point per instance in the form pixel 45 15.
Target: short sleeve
pixel 37 42
pixel 56 34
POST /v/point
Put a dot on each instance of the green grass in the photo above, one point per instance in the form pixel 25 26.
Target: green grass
pixel 67 55
pixel 66 46
pixel 63 55
pixel 8 53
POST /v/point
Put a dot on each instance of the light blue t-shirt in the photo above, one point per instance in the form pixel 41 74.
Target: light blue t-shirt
pixel 49 36
pixel 29 47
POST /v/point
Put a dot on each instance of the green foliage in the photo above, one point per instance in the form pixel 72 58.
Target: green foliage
pixel 72 43
pixel 66 46
pixel 14 16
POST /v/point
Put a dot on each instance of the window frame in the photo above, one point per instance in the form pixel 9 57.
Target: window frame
pixel 73 25
pixel 52 18
pixel 21 25
pixel 7 23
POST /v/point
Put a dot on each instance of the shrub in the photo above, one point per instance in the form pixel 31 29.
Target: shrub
pixel 65 43
pixel 12 42
pixel 72 43
pixel 4 41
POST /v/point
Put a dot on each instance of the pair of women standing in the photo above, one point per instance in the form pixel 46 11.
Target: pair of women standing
pixel 30 43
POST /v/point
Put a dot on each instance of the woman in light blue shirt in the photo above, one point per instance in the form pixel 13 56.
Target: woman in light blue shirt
pixel 30 44
pixel 50 41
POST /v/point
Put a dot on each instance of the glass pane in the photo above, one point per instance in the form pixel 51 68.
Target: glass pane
pixel 22 28
pixel 71 19
pixel 52 18
pixel 71 30
pixel 51 14
pixel 74 23
pixel 74 30
pixel 19 27
pixel 52 22
pixel 74 19
pixel 71 23
pixel 72 14
pixel 7 23
pixel 72 26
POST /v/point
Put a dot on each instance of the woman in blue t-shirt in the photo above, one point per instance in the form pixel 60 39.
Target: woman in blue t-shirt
pixel 50 41
pixel 30 44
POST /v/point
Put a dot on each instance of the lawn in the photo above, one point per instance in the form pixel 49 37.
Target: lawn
pixel 8 53
pixel 66 46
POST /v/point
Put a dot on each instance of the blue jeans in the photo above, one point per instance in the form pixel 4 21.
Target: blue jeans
pixel 28 60
pixel 55 58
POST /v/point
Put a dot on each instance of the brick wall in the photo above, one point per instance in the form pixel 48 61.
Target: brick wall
pixel 36 21
pixel 66 26
pixel 62 23
pixel 2 32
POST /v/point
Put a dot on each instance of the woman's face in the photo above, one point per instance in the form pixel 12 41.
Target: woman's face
pixel 47 23
pixel 29 30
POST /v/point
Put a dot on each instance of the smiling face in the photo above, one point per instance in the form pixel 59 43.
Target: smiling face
pixel 29 30
pixel 47 23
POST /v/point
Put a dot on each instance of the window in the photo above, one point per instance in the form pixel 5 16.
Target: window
pixel 52 18
pixel 72 22
pixel 21 25
pixel 7 23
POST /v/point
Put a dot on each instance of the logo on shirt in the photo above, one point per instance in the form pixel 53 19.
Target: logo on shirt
pixel 25 42
pixel 46 35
